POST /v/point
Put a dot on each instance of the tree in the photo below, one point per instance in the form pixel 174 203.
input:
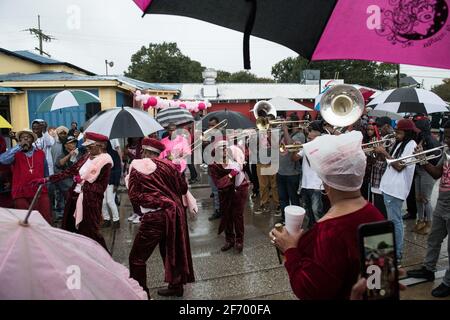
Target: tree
pixel 368 73
pixel 164 63
pixel 240 77
pixel 443 90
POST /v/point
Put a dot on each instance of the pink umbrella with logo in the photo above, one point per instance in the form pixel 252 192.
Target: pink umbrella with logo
pixel 398 31
pixel 39 262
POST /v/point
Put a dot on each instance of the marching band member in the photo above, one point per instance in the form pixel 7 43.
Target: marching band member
pixel 176 148
pixel 227 174
pixel 83 210
pixel 161 191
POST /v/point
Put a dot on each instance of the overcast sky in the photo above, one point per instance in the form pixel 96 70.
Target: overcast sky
pixel 114 30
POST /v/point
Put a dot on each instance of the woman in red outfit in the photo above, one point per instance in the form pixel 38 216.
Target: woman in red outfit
pixel 229 177
pixel 323 263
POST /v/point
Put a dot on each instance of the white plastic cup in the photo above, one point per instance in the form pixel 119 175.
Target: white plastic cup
pixel 294 216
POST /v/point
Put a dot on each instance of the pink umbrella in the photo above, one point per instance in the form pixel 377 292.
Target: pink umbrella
pixel 39 262
pixel 401 31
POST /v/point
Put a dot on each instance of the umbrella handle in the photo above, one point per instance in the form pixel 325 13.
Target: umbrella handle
pixel 36 197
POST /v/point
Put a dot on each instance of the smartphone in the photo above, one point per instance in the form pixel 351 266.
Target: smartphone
pixel 379 260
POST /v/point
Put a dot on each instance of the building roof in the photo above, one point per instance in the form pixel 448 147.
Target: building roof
pixel 8 90
pixel 245 91
pixel 35 58
pixel 65 76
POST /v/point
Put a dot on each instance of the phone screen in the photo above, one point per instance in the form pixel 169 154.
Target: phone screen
pixel 380 266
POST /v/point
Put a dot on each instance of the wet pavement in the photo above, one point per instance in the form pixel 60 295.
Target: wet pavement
pixel 256 272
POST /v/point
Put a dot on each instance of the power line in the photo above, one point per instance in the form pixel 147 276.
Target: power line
pixel 38 33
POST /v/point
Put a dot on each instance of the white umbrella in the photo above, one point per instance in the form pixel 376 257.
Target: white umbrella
pixel 409 100
pixel 39 262
pixel 122 122
pixel 285 104
pixel 67 99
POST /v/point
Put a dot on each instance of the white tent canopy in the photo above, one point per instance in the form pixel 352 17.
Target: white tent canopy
pixel 285 104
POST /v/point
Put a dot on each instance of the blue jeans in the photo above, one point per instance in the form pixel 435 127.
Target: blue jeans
pixel 394 214
pixel 287 191
pixel 314 205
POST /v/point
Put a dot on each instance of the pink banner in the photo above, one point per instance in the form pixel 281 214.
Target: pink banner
pixel 143 4
pixel 398 31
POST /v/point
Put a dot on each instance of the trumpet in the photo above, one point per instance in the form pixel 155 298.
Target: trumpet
pixel 290 147
pixel 386 142
pixel 264 124
pixel 421 157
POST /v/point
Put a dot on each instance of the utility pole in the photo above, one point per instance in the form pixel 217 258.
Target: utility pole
pixel 398 75
pixel 41 36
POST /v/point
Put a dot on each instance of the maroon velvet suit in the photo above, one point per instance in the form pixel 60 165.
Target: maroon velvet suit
pixel 232 203
pixel 92 201
pixel 163 190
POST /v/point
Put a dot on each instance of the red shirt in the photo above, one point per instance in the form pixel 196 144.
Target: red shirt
pixel 326 262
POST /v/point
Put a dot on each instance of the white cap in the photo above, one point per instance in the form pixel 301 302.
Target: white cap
pixel 338 160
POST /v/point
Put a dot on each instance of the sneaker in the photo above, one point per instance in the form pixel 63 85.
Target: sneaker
pixel 137 219
pixel 441 291
pixel 426 229
pixel 193 181
pixel 106 224
pixel 215 215
pixel 132 217
pixel 409 216
pixel 277 214
pixel 116 224
pixel 418 226
pixel 422 273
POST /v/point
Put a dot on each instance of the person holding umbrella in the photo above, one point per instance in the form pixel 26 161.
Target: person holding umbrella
pixel 27 163
pixel 158 187
pixel 83 210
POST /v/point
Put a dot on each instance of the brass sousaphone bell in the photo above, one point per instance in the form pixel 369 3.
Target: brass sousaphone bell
pixel 341 105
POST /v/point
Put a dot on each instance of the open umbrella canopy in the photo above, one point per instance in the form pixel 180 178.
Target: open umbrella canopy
pixel 67 99
pixel 409 100
pixel 123 122
pixel 285 104
pixel 39 262
pixel 173 115
pixel 236 120
pixel 4 123
pixel 410 32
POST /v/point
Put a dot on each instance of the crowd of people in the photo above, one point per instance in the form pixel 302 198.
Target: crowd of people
pixel 82 171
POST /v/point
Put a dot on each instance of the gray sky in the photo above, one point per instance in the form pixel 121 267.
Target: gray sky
pixel 114 30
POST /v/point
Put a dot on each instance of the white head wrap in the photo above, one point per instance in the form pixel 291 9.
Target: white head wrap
pixel 338 160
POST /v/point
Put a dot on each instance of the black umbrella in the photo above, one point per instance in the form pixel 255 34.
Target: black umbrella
pixel 236 120
pixel 329 29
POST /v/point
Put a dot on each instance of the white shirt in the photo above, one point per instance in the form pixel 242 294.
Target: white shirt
pixel 398 184
pixel 45 144
pixel 310 179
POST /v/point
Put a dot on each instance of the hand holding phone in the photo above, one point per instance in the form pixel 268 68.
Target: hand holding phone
pixel 378 260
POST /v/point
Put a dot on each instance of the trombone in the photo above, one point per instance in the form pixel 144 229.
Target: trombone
pixel 386 142
pixel 421 157
pixel 204 137
pixel 264 124
pixel 290 147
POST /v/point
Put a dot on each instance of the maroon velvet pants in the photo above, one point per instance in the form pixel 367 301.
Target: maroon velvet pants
pixel 232 205
pixel 42 205
pixel 151 233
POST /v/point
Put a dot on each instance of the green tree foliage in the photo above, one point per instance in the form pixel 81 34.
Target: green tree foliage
pixel 240 77
pixel 164 63
pixel 443 90
pixel 368 73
